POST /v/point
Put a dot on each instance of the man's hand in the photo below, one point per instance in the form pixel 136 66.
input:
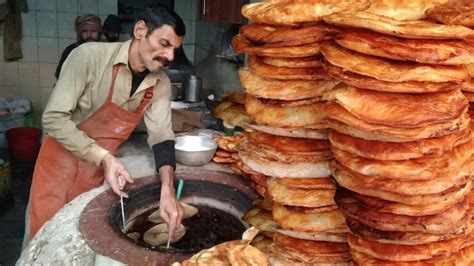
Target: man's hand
pixel 116 174
pixel 170 209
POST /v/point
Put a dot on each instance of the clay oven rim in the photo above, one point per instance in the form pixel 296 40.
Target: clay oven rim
pixel 96 223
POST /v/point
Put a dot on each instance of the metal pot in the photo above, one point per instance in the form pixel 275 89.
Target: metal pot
pixel 192 86
pixel 194 150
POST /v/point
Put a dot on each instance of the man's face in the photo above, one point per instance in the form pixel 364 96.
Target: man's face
pixel 156 50
pixel 90 33
pixel 112 36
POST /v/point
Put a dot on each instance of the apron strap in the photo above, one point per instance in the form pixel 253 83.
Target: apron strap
pixel 115 71
pixel 146 99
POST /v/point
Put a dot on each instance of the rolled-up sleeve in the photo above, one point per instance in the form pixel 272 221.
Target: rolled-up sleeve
pixel 157 116
pixel 73 80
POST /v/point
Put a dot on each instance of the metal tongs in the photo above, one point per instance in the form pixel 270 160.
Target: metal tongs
pixel 178 196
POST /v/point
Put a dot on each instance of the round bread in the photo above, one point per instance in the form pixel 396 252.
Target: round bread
pixel 285 73
pixel 391 71
pixel 369 83
pixel 402 9
pixel 421 51
pixel 463 257
pixel 394 252
pixel 348 180
pixel 304 116
pixel 292 13
pixel 346 177
pixel 400 109
pixel 404 238
pixel 415 29
pixel 343 121
pixel 244 46
pixel 274 36
pixel 446 222
pixel 329 220
pixel 297 196
pixel 329 237
pixel 307 133
pixel 381 205
pixel 459 12
pixel 380 150
pixel 304 62
pixel 289 90
pixel 452 164
pixel 469 96
pixel 260 219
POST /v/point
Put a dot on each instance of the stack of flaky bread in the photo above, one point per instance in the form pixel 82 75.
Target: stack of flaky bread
pixel 289 148
pixel 401 138
pixel 383 80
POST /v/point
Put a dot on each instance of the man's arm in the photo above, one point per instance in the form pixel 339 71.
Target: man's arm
pixel 63 101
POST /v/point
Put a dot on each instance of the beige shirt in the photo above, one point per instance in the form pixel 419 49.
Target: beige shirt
pixel 83 87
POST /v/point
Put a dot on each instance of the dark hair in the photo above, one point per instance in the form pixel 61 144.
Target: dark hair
pixel 155 17
pixel 111 23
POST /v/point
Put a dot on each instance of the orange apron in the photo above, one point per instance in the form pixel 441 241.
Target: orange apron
pixel 59 176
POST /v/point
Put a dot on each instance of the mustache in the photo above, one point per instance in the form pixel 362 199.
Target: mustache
pixel 162 60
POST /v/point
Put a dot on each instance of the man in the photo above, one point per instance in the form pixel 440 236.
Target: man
pixel 112 28
pixel 103 91
pixel 88 29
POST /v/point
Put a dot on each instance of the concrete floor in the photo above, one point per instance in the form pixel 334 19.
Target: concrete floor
pixel 12 217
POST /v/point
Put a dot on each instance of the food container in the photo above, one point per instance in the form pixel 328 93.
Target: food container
pixel 194 150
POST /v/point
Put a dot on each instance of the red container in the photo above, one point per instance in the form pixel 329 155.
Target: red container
pixel 23 143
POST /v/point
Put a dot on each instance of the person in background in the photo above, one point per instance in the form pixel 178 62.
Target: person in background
pixel 102 93
pixel 88 29
pixel 111 28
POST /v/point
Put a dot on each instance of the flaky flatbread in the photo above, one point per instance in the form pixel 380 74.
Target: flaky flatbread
pixel 283 89
pixel 391 71
pixel 292 13
pixel 400 109
pixel 421 51
pixel 308 133
pixel 285 73
pixel 381 150
pixel 304 116
pixel 274 36
pixel 416 29
pixel 456 12
pixel 370 83
pixel 402 9
pixel 244 46
pixel 343 121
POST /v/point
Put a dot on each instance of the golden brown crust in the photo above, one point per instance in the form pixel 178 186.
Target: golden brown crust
pixel 443 223
pixel 309 116
pixel 288 145
pixel 421 51
pixel 369 83
pixel 232 113
pixel 345 176
pixel 463 257
pixel 400 109
pixel 402 237
pixel 283 89
pixel 284 73
pixel 458 12
pixel 381 205
pixel 381 150
pixel 329 237
pixel 308 133
pixel 244 46
pixel 452 164
pixel 291 13
pixel 402 9
pixel 311 220
pixel 351 181
pixel 416 29
pixel 391 71
pixel 260 218
pixel 308 183
pixel 311 198
pixel 343 121
pixel 274 36
pixel 469 96
pixel 394 252
pixel 303 62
